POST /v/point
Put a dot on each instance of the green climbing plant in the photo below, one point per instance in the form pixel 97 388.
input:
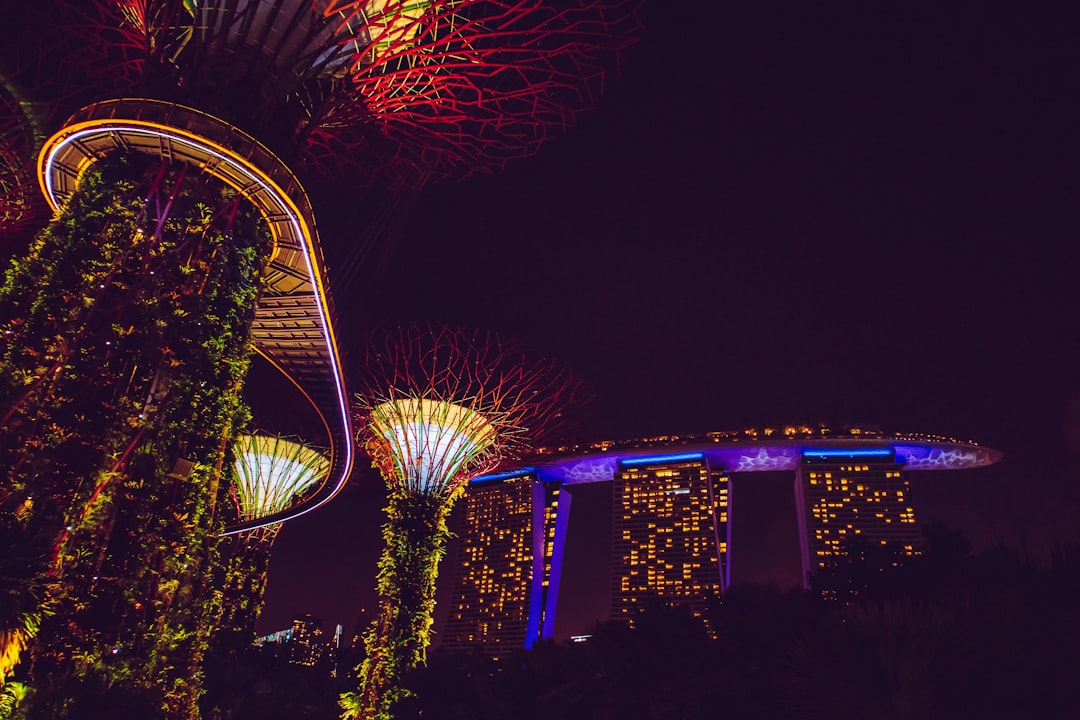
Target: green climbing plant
pixel 128 339
pixel 415 537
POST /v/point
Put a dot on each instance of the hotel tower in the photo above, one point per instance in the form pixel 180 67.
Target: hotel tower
pixel 672 514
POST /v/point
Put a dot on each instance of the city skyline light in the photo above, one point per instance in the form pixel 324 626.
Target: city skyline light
pixel 672 500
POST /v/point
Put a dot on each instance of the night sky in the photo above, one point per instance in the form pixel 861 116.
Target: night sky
pixel 846 214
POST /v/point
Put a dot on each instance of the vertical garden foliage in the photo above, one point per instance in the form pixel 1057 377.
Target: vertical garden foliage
pixel 24 587
pixel 127 334
pixel 246 564
pixel 415 538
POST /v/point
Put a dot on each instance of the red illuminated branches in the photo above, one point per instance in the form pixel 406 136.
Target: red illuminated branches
pixel 465 85
pixel 438 405
pixel 399 91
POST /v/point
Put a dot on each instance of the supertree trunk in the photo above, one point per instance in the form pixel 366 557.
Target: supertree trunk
pixel 246 568
pixel 269 473
pixel 415 535
pixel 127 340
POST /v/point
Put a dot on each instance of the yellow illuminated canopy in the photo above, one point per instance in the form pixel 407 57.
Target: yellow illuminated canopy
pixel 271 473
pixel 428 441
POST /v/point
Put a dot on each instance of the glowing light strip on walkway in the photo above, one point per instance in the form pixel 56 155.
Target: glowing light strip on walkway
pixel 46 168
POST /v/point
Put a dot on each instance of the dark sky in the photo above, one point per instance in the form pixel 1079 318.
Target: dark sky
pixel 846 214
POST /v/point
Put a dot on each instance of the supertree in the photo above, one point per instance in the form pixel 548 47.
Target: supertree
pixel 128 342
pixel 271 474
pixel 182 238
pixel 437 406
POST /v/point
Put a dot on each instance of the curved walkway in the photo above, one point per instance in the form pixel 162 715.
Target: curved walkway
pixel 293 326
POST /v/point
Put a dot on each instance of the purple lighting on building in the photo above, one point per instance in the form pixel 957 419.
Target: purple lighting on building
pixel 934 457
pixel 662 459
pixel 821 454
pixel 536 585
pixel 769 458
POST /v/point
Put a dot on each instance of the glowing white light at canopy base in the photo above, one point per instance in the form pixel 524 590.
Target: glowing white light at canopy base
pixel 429 442
pixel 271 472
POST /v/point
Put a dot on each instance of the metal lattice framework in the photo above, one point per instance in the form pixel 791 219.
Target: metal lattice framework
pixel 463 85
pixel 273 472
pixel 439 405
pixel 395 91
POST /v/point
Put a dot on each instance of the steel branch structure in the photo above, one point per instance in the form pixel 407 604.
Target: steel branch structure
pixel 390 91
pixel 470 84
pixel 439 405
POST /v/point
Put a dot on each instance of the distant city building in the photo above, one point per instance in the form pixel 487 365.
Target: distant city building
pixel 672 518
pixel 670 534
pixel 303 643
pixel 334 650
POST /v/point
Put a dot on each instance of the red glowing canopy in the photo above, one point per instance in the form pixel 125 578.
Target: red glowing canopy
pixel 396 92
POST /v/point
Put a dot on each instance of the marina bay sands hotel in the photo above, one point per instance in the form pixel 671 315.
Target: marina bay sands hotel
pixel 672 517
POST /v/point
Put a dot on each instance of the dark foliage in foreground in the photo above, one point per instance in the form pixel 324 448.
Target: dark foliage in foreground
pixel 945 635
pixel 259 683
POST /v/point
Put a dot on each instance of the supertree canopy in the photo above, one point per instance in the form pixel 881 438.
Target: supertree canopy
pixel 428 441
pixel 437 406
pixel 272 472
pixel 398 91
